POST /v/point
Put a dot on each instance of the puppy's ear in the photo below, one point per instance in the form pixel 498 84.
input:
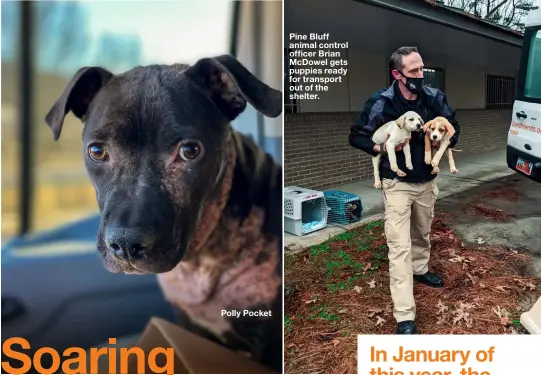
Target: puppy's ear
pixel 77 96
pixel 427 125
pixel 401 121
pixel 230 86
pixel 448 127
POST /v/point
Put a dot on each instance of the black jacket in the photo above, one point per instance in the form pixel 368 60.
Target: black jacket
pixel 389 104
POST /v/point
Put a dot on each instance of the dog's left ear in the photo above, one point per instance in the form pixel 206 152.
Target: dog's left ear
pixel 450 129
pixel 230 86
pixel 400 121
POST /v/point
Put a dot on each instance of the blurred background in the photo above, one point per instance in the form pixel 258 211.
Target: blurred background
pixel 59 38
pixel 55 292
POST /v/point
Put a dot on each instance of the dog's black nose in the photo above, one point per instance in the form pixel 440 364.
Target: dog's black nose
pixel 127 243
pixel 434 136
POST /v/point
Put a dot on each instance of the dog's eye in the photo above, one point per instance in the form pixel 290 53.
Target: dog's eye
pixel 97 152
pixel 189 151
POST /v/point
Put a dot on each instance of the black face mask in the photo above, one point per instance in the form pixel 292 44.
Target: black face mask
pixel 414 85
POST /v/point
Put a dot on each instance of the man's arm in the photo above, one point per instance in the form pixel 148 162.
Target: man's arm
pixel 368 121
pixel 449 113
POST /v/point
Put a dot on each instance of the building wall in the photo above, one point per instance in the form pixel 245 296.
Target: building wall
pixel 316 149
pixel 317 154
pixel 368 72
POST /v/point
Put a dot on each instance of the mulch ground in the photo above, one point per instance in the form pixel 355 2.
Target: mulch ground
pixel 340 288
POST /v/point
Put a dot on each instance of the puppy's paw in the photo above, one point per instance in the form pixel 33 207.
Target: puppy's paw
pixel 435 163
pixel 454 170
pixel 400 172
pixel 428 159
pixel 409 165
pixel 435 170
pixel 377 184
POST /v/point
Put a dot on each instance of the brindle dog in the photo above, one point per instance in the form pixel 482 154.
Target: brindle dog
pixel 183 195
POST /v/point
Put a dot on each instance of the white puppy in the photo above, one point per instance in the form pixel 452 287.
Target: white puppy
pixel 392 134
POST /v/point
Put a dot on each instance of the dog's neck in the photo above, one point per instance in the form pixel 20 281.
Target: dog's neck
pixel 213 209
pixel 226 252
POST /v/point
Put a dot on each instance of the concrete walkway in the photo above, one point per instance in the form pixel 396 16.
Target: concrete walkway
pixel 474 170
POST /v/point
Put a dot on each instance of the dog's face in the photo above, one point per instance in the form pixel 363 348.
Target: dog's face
pixel 410 121
pixel 154 144
pixel 438 128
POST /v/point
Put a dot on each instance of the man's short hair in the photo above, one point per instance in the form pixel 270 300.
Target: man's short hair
pixel 396 57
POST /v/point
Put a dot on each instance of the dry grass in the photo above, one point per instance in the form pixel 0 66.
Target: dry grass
pixel 339 289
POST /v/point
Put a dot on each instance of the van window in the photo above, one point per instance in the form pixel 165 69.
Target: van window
pixel 532 85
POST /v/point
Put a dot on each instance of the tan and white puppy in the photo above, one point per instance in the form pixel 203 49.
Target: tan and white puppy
pixel 438 133
pixel 392 134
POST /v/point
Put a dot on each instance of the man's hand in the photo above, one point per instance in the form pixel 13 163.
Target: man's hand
pixel 377 148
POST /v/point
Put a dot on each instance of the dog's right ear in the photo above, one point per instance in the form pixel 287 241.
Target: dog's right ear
pixel 427 125
pixel 77 96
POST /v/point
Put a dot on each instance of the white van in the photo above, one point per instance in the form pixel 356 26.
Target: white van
pixel 524 138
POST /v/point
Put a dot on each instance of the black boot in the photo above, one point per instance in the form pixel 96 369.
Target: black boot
pixel 406 327
pixel 430 279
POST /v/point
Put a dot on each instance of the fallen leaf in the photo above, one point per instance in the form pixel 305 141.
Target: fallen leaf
pixel 357 289
pixel 380 321
pixel 310 301
pixel 343 311
pixel 525 285
pixel 367 267
pixel 501 313
pixel 480 241
pixel 372 283
pixel 292 345
pixel 441 307
pixel 482 285
pixel 335 342
pixel 442 320
pixel 467 306
pixel 500 288
pixel 374 312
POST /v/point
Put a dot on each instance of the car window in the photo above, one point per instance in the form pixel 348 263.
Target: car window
pixel 532 87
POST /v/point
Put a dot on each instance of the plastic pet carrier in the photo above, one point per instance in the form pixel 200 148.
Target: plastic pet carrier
pixel 305 210
pixel 344 208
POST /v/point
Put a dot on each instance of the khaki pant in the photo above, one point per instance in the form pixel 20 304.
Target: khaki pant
pixel 409 211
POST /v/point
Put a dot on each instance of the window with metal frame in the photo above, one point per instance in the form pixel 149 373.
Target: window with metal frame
pixel 500 91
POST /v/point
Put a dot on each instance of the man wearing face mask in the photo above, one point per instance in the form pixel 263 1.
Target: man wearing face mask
pixel 409 201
